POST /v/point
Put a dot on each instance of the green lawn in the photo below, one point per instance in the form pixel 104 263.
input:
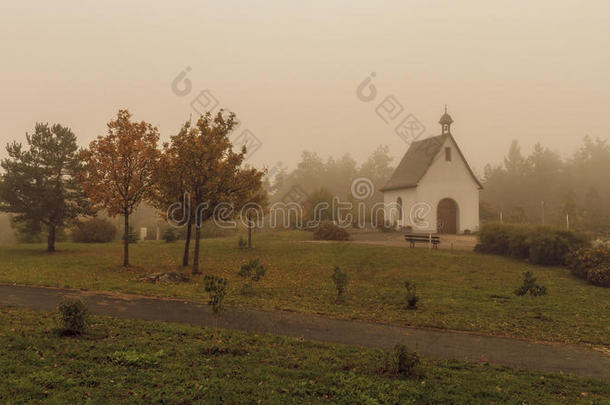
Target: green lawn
pixel 459 290
pixel 155 362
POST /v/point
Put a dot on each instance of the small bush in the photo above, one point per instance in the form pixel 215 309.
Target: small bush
pixel 242 243
pixel 170 235
pixel 407 362
pixel 529 285
pixel 73 316
pixel 599 275
pixel 341 282
pixel 330 231
pixel 94 230
pixel 216 287
pixel 582 260
pixel 601 243
pixel 404 363
pixel 253 270
pixel 411 296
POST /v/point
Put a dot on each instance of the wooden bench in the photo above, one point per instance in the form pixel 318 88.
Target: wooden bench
pixel 414 238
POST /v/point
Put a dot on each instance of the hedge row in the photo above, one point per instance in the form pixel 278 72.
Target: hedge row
pixel 538 244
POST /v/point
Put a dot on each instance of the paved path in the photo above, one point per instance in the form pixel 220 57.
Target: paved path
pixel 433 343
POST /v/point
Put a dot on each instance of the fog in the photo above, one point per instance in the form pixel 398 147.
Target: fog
pixel 534 72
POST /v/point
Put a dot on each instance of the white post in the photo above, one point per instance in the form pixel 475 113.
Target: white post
pixel 500 216
pixel 567 221
pixel 429 241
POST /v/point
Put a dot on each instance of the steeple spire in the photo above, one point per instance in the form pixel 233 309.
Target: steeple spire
pixel 446 122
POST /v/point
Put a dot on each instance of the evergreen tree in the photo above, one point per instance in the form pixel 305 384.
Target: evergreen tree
pixel 39 184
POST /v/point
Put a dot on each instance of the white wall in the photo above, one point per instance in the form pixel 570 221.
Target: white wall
pixel 409 196
pixel 442 180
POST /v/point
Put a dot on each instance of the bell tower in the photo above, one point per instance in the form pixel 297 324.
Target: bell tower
pixel 445 122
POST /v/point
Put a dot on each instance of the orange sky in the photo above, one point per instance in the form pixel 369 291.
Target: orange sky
pixel 535 71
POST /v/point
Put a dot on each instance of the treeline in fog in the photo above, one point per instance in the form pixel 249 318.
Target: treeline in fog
pixel 543 187
pixel 522 189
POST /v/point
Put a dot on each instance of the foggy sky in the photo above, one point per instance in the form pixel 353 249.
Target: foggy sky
pixel 534 71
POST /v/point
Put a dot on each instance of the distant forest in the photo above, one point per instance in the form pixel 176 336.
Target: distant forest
pixel 543 187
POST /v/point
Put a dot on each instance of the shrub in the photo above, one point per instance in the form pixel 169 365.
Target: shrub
pixel 591 264
pixel 94 230
pixel 599 275
pixel 330 231
pixel 73 316
pixel 170 235
pixel 402 362
pixel 529 285
pixel 407 362
pixel 242 243
pixel 217 288
pixel 518 246
pixel 341 282
pixel 550 247
pixel 541 245
pixel 601 243
pixel 411 296
pixel 493 238
pixel 253 270
pixel 582 260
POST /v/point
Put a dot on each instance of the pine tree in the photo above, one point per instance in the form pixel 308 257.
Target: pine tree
pixel 39 184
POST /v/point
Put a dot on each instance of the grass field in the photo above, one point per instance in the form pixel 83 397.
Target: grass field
pixel 459 290
pixel 155 362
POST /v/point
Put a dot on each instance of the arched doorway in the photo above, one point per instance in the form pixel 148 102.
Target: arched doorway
pixel 446 216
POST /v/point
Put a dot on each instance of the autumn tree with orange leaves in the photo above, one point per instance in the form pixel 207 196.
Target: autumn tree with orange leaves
pixel 172 194
pixel 119 168
pixel 201 164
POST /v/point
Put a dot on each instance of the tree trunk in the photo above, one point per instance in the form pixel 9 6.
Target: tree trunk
pixel 249 233
pixel 126 242
pixel 51 239
pixel 187 243
pixel 196 253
